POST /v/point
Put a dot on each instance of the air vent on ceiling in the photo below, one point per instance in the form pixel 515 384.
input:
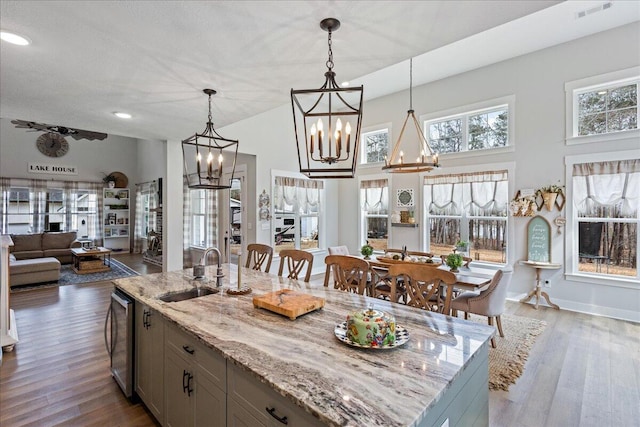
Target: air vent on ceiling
pixel 596 9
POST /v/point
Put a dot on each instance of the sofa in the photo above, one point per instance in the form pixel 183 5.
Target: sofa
pixel 44 245
pixel 36 258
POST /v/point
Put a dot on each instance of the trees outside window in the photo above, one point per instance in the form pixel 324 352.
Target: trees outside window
pixel 468 131
pixel 607 109
pixel 375 146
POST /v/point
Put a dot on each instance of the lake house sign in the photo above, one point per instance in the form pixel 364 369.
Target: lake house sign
pixel 52 169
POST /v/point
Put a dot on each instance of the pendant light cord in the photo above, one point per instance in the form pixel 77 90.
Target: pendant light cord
pixel 411 84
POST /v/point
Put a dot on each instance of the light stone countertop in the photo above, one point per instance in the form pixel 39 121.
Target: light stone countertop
pixel 303 360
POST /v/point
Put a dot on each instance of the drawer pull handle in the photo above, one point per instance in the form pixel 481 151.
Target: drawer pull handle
pixel 188 349
pixel 272 412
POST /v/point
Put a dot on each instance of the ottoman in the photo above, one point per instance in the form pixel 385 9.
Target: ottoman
pixel 35 270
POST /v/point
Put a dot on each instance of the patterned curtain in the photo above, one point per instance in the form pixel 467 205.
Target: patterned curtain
pixel 212 218
pixel 39 194
pixel 70 203
pixel 186 224
pixel 4 202
pixel 138 222
pixel 95 227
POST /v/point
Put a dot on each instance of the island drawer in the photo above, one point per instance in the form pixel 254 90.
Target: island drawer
pixel 192 350
pixel 248 396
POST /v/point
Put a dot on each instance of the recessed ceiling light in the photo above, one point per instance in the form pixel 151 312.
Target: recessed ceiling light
pixel 344 84
pixel 14 38
pixel 122 115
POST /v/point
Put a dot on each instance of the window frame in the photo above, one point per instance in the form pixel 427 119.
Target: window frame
pixel 381 128
pixel 571 259
pixel 362 218
pixel 509 228
pixel 603 81
pixel 464 112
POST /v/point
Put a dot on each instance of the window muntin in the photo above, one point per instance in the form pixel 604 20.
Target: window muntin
pixel 375 146
pixel 469 131
pixel 606 213
pixel 607 109
pixel 374 200
pixel 297 213
pixel 468 207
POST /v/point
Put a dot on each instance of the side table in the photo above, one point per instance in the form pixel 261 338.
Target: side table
pixel 537 291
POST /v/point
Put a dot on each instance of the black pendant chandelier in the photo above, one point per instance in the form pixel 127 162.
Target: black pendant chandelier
pixel 327 123
pixel 203 157
pixel 426 158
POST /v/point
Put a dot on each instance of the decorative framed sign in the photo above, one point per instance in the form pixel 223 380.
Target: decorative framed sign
pixel 404 198
pixel 538 240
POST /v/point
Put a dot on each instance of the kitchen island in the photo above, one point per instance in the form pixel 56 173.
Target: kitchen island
pixel 440 374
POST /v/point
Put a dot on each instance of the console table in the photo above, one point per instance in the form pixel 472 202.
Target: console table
pixel 537 291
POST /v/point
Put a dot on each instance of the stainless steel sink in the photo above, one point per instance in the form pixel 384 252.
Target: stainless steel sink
pixel 190 294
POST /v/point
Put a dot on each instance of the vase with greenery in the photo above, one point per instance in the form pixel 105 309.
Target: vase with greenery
pixel 110 180
pixel 549 195
pixel 454 261
pixel 366 250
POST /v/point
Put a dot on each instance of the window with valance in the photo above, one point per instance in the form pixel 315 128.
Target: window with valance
pixel 606 200
pixel 297 210
pixel 470 207
pixel 374 202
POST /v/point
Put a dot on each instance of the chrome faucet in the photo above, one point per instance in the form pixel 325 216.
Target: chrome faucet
pixel 198 270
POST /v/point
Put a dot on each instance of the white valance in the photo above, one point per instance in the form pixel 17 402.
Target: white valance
pixel 614 186
pixel 375 198
pixel 297 195
pixel 474 194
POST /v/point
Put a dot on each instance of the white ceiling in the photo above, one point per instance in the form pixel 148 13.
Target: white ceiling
pixel 153 58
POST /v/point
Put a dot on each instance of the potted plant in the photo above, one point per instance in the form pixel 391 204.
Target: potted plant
pixel 462 246
pixel 366 250
pixel 550 194
pixel 110 180
pixel 454 261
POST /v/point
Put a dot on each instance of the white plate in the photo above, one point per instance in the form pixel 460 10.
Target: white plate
pixel 402 336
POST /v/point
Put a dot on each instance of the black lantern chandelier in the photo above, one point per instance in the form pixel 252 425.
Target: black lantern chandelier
pixel 426 158
pixel 327 123
pixel 203 157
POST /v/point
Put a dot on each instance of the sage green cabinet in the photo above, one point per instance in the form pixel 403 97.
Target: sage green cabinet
pixel 149 364
pixel 195 382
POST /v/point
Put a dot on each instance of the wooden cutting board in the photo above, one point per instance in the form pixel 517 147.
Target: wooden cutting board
pixel 288 303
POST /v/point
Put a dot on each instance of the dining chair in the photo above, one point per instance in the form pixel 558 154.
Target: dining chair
pixel 349 273
pixel 424 285
pixel 338 250
pixel 296 261
pixel 489 302
pixel 259 256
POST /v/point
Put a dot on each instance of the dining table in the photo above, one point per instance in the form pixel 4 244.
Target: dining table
pixel 470 278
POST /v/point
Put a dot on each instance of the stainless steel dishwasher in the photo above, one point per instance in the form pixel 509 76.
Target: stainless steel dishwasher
pixel 118 326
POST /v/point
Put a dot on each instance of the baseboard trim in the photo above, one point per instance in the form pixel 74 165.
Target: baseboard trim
pixel 595 310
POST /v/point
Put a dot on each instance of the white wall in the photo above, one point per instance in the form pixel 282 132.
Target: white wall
pixel 537 81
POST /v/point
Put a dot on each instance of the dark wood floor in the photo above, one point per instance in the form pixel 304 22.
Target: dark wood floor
pixel 582 371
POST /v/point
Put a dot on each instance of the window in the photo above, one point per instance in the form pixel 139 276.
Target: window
pixel 375 146
pixel 203 218
pixel 468 207
pixel 603 107
pixel 483 129
pixel 29 206
pixel 297 213
pixel 374 200
pixel 606 208
pixel 607 109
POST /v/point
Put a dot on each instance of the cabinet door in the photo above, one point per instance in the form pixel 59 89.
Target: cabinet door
pixel 150 359
pixel 238 416
pixel 211 402
pixel 178 403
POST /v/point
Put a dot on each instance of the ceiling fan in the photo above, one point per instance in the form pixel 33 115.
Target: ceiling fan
pixel 60 130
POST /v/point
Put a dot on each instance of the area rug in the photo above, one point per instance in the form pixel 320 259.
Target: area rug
pixel 69 277
pixel 507 361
